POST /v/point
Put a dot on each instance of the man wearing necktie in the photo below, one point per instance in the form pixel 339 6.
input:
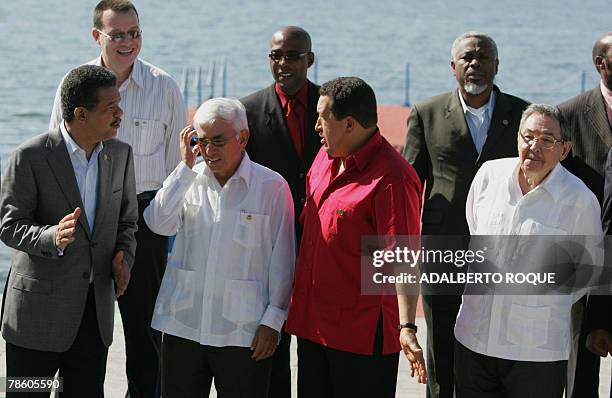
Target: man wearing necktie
pixel 281 120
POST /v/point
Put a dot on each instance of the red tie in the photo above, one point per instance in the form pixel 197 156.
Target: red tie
pixel 293 123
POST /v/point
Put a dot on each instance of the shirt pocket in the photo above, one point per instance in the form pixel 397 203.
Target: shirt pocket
pixel 148 136
pixel 177 296
pixel 528 326
pixel 250 229
pixel 242 301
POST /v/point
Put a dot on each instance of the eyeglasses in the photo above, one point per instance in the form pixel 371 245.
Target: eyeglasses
pixel 217 141
pixel 545 141
pixel 119 37
pixel 290 56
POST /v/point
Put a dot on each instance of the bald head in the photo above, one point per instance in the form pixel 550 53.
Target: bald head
pixel 602 45
pixel 293 33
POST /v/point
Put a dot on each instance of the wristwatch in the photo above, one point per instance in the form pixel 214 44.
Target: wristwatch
pixel 407 325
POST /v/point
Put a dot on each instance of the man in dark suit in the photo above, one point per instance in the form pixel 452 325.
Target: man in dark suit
pixel 449 137
pixel 69 209
pixel 281 120
pixel 589 117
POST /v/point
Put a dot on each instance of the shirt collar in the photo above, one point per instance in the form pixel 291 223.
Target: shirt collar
pixel 362 157
pixel 71 144
pixel 242 172
pixel 301 96
pixel 607 94
pixel 487 107
pixel 553 183
pixel 136 75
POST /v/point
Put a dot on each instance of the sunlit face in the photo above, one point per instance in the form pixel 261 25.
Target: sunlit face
pixel 118 55
pixel 223 153
pixel 104 119
pixel 290 74
pixel 474 66
pixel 332 131
pixel 536 161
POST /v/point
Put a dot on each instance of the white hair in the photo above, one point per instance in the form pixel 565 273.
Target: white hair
pixel 228 109
pixel 478 35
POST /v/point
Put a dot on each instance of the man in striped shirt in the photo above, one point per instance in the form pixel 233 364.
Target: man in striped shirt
pixel 154 114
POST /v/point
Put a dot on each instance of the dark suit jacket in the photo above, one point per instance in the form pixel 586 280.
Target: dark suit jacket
pixel 591 138
pixel 441 149
pixel 46 294
pixel 270 143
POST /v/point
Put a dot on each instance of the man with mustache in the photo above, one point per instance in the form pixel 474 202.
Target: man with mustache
pixel 154 114
pixel 501 337
pixel 69 209
pixel 449 137
pixel 281 118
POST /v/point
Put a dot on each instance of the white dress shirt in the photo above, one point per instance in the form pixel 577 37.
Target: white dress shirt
pixel 479 119
pixel 153 116
pixel 232 264
pixel 526 327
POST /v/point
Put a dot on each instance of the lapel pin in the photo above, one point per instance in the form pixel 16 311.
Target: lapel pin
pixel 340 212
pixel 505 122
pixel 105 157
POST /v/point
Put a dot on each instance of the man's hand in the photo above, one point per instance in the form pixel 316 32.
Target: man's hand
pixel 264 343
pixel 414 353
pixel 121 273
pixel 188 154
pixel 599 342
pixel 64 233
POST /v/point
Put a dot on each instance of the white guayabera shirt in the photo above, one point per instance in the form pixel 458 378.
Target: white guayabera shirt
pixel 232 264
pixel 525 327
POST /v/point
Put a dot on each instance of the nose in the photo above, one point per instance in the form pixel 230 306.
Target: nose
pixel 318 125
pixel 118 111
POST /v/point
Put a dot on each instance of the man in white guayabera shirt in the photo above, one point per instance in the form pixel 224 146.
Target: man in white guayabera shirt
pixel 225 293
pixel 503 340
pixel 153 116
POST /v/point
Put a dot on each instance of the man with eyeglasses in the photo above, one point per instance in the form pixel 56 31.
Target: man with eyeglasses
pixel 154 114
pixel 449 137
pixel 281 121
pixel 226 289
pixel 503 339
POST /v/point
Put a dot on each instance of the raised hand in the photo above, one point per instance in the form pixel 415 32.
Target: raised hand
pixel 64 233
pixel 188 154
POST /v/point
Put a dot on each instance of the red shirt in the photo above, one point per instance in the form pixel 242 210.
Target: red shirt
pixel 300 109
pixel 378 193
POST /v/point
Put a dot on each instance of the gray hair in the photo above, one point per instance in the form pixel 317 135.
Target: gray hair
pixel 478 35
pixel 548 111
pixel 228 109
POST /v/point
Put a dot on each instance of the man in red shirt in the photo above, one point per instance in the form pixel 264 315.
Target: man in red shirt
pixel 358 185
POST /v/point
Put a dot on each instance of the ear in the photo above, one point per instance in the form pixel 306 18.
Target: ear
pixel 96 35
pixel 452 65
pixel 567 146
pixel 243 138
pixel 80 114
pixel 311 59
pixel 599 64
pixel 496 66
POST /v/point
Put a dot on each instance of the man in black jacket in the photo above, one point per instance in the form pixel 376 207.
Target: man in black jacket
pixel 281 120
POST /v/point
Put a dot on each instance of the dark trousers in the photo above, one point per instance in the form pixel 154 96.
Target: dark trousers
pixel 142 343
pixel 586 375
pixel 188 369
pixel 280 381
pixel 82 367
pixel 440 315
pixel 327 373
pixel 480 376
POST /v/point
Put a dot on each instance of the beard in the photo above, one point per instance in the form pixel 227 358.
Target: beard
pixel 474 89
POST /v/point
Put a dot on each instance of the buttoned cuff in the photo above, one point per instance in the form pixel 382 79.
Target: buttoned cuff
pixel 274 318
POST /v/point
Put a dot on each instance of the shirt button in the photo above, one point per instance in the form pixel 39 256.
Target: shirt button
pixel 136 123
pixel 301 175
pixel 302 200
pixel 85 275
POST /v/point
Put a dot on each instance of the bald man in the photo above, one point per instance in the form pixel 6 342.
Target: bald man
pixel 281 120
pixel 589 117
